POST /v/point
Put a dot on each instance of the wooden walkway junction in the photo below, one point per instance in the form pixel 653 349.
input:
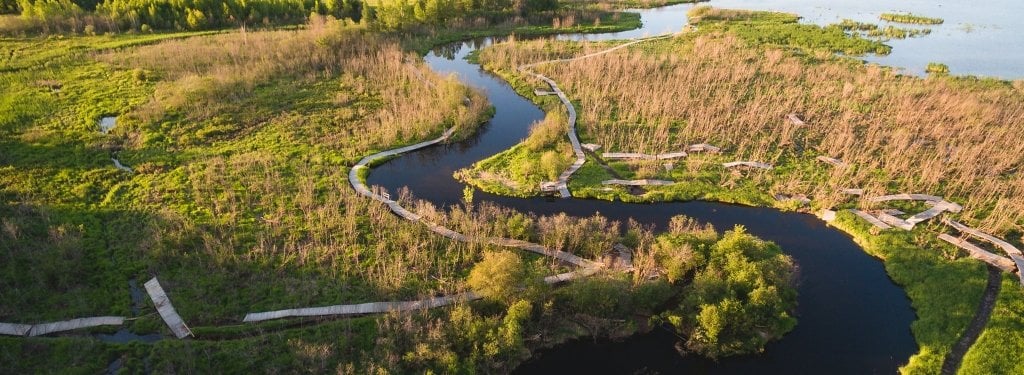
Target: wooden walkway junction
pixel 166 310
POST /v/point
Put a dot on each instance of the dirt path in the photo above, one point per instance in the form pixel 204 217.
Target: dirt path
pixel 981 316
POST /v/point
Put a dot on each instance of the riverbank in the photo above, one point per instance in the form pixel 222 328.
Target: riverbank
pixel 941 317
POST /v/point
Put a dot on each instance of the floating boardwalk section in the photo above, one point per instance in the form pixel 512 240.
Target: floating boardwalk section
pixel 16 329
pixel 561 185
pixel 166 310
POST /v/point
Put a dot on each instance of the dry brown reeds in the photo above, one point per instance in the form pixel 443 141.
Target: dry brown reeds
pixel 957 138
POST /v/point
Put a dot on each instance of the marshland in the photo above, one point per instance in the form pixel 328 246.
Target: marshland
pixel 241 125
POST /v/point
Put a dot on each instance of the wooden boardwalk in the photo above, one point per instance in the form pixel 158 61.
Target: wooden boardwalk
pixel 581 158
pixel 751 164
pixel 638 182
pixel 832 161
pixel 976 252
pixel 39 329
pixel 635 155
pixel 871 219
pixel 1012 251
pixel 166 310
pixel 703 147
pixel 586 267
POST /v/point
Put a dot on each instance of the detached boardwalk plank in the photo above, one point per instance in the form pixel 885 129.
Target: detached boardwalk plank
pixel 1006 246
pixel 830 160
pixel 751 164
pixel 894 221
pixel 871 219
pixel 166 310
pixel 976 252
pixel 703 147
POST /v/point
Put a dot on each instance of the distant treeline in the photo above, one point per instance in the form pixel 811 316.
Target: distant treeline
pixel 143 15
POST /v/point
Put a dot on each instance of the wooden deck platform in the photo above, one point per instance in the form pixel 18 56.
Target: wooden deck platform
pixel 894 221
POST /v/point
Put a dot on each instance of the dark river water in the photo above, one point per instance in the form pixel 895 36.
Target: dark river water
pixel 852 317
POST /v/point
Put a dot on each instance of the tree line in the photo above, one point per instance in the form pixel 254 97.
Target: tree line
pixel 144 15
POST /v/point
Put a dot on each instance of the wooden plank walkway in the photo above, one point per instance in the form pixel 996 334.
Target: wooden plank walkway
pixel 854 191
pixel 638 182
pixel 827 215
pixel 792 117
pixel 39 329
pixel 166 310
pixel 14 329
pixel 894 221
pixel 636 155
pixel 752 164
pixel 833 161
pixel 703 147
pixel 905 197
pixel 1015 254
pixel 396 306
pixel 563 179
pixel 68 325
pixel 976 252
pixel 871 219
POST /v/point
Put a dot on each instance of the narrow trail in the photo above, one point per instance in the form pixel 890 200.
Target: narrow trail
pixel 988 302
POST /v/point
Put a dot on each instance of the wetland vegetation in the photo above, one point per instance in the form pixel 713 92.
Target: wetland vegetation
pixel 241 141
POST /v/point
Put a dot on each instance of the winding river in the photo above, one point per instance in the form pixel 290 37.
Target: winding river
pixel 852 317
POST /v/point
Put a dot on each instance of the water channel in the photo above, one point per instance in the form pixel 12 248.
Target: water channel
pixel 852 317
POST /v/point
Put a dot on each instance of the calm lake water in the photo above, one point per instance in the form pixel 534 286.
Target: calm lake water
pixel 852 318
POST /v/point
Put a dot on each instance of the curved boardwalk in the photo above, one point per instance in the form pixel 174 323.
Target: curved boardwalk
pixel 587 267
pixel 563 179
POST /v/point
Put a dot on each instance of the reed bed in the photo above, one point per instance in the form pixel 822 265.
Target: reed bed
pixel 951 137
